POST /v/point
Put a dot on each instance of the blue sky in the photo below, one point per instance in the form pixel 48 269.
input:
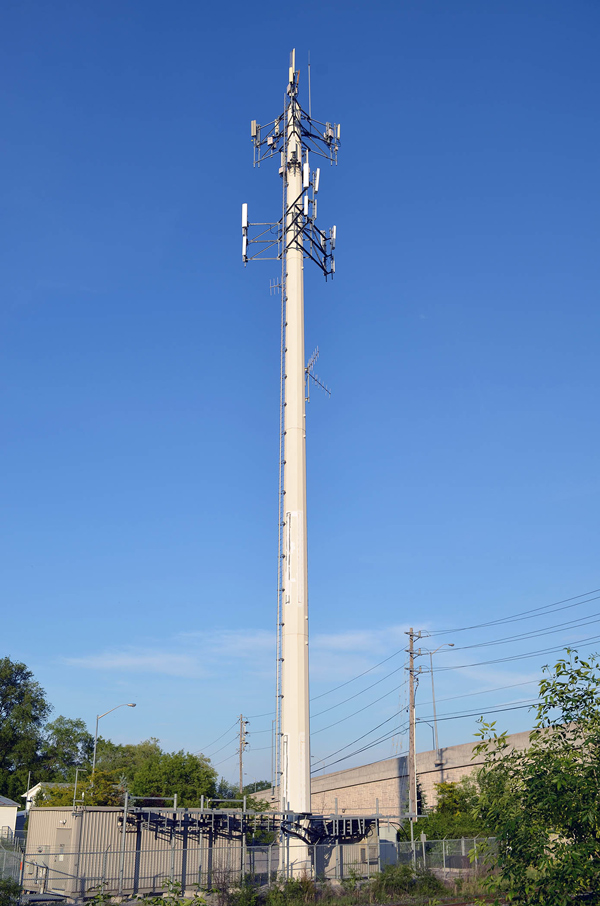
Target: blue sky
pixel 453 474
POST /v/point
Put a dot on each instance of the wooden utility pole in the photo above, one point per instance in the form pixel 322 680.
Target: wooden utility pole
pixel 243 744
pixel 412 750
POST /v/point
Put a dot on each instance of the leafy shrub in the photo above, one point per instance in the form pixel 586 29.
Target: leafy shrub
pixel 393 880
pixel 9 892
pixel 396 880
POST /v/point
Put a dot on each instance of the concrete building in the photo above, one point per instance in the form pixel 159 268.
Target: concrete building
pixel 383 785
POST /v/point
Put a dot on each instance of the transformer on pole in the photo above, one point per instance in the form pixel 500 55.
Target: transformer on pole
pixel 295 137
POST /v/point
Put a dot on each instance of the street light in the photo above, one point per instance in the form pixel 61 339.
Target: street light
pixel 98 716
pixel 431 653
pixel 421 721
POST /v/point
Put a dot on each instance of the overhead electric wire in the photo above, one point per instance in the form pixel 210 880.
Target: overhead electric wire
pixel 519 657
pixel 368 733
pixel 402 727
pixel 228 743
pixel 481 692
pixel 368 705
pixel 229 757
pixel 219 737
pixel 358 676
pixel 556 628
pixel 521 702
pixel 517 617
pixel 335 688
pixel 535 633
pixel 523 614
pixel 479 713
pixel 396 688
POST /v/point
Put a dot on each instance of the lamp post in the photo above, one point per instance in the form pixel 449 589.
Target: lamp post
pixel 98 716
pixel 254 779
pixel 431 653
pixel 430 725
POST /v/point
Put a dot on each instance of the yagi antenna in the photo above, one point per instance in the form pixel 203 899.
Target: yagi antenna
pixel 311 376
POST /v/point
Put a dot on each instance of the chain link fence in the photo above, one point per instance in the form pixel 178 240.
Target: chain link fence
pixel 466 853
pixel 223 863
pixel 11 854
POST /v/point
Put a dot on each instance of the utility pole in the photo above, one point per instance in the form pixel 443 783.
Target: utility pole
pixel 292 136
pixel 243 745
pixel 412 749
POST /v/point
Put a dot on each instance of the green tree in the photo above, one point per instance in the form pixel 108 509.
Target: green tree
pixel 456 813
pixel 126 760
pixel 256 786
pixel 190 776
pixel 107 789
pixel 543 803
pixel 23 710
pixel 66 745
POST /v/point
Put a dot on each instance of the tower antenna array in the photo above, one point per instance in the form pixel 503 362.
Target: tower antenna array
pixel 295 137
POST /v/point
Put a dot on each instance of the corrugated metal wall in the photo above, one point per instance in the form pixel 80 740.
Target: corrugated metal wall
pixel 77 852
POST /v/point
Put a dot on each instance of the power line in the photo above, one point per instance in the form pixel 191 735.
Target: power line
pixel 515 618
pixel 536 633
pixel 358 676
pixel 224 746
pixel 354 713
pixel 234 724
pixel 482 691
pixel 368 733
pixel 523 614
pixel 480 713
pixel 519 657
pixel 395 689
pixel 403 727
pixel 229 757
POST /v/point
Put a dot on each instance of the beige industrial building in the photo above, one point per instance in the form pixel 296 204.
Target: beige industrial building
pixel 383 786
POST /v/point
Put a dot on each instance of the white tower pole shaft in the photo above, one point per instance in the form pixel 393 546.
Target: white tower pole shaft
pixel 295 717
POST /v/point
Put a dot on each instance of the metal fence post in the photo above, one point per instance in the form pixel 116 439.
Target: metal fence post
pixel 123 831
pixel 173 830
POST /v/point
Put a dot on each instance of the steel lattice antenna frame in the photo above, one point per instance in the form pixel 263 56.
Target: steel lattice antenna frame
pixel 294 135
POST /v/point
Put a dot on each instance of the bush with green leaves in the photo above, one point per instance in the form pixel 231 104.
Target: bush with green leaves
pixel 542 803
pixel 396 880
pixel 10 892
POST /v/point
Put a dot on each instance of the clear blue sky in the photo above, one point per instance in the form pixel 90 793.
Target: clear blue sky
pixel 453 475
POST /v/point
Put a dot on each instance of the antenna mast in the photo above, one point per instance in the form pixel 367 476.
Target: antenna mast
pixel 293 135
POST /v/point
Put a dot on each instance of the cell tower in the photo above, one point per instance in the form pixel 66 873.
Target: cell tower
pixel 293 135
